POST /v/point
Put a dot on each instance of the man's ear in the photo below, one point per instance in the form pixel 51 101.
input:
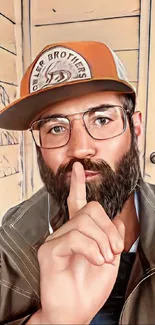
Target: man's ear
pixel 137 122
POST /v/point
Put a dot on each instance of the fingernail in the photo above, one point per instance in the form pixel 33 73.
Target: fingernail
pixel 118 245
pixel 110 256
pixel 101 258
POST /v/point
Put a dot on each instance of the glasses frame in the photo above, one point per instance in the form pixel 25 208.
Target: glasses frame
pixel 125 113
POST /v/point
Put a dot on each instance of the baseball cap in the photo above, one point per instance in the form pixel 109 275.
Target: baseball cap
pixel 62 71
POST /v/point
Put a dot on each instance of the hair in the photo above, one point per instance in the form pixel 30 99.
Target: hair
pixel 128 103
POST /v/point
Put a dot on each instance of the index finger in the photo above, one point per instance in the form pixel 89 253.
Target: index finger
pixel 77 194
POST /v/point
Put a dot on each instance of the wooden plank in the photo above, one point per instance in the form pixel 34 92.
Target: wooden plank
pixel 10 192
pixel 7 94
pixel 7 37
pixel 143 72
pixel 37 182
pixel 10 170
pixel 119 34
pixel 130 61
pixel 9 160
pixel 19 30
pixel 10 177
pixel 8 67
pixel 7 8
pixel 24 40
pixel 150 126
pixel 28 172
pixel 56 11
pixel 8 137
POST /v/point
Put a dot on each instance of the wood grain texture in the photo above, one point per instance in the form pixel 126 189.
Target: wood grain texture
pixel 150 118
pixel 10 175
pixel 144 44
pixel 119 34
pixel 8 71
pixel 10 169
pixel 9 163
pixel 8 137
pixel 7 37
pixel 7 9
pixel 11 193
pixel 57 11
pixel 7 94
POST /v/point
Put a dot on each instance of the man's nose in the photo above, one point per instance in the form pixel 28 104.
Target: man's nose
pixel 81 145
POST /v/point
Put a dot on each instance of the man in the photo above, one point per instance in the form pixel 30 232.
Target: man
pixel 81 250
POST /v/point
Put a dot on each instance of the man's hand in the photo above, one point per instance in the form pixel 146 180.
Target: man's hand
pixel 79 262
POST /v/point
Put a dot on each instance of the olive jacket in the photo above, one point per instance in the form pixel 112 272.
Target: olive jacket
pixel 24 229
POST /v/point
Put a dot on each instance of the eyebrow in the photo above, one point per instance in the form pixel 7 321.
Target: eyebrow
pixel 92 109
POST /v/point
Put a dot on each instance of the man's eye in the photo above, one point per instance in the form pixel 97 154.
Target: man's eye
pixel 57 130
pixel 102 120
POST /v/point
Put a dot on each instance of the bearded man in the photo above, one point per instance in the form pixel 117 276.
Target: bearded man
pixel 81 250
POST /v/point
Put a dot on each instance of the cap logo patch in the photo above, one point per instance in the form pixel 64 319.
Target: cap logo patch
pixel 58 65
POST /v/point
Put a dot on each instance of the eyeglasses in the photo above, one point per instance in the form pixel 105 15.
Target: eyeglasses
pixel 104 122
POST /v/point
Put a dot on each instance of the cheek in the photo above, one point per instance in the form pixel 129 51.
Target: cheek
pixel 112 150
pixel 53 158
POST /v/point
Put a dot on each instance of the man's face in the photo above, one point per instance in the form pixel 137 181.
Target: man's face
pixel 115 160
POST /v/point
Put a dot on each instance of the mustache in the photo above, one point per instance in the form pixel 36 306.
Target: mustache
pixel 111 190
pixel 87 164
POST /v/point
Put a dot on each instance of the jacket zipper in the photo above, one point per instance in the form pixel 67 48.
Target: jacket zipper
pixel 150 273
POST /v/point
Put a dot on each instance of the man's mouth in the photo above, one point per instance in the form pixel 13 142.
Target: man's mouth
pixel 89 174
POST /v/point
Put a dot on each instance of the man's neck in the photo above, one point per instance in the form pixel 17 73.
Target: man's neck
pixel 132 227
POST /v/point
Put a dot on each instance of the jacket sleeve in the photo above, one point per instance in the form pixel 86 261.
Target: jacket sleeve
pixel 17 300
pixel 21 234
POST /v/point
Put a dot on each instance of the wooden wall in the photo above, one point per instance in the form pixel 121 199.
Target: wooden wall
pixel 10 159
pixel 27 26
pixel 114 22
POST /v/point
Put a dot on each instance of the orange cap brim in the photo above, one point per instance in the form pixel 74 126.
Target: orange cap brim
pixel 20 114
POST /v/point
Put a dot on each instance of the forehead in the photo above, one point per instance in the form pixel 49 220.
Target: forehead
pixel 79 104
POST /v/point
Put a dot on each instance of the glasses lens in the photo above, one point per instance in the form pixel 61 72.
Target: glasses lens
pixel 51 132
pixel 104 123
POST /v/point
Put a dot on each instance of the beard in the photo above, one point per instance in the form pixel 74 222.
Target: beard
pixel 111 190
